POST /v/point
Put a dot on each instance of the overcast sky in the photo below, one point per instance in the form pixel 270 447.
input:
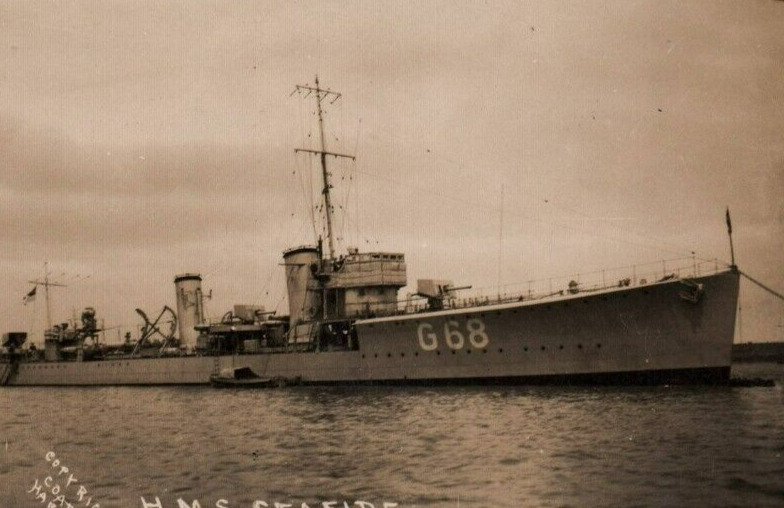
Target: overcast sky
pixel 141 140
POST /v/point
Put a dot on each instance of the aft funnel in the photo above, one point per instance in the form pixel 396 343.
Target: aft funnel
pixel 190 307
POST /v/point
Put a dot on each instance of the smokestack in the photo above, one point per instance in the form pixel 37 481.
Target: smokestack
pixel 190 310
pixel 301 263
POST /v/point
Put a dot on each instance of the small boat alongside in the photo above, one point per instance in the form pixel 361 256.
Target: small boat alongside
pixel 245 377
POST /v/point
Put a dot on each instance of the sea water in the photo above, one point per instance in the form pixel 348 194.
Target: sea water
pixel 390 446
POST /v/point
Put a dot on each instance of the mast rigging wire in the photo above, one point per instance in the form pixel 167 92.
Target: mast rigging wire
pixel 526 217
pixel 763 286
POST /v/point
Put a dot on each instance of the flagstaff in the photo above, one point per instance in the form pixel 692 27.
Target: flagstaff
pixel 732 247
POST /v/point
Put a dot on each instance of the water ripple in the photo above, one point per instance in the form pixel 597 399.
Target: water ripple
pixel 508 446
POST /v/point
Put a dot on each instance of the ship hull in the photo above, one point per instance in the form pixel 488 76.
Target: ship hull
pixel 652 334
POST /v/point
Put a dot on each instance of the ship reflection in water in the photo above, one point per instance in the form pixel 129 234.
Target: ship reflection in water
pixel 417 446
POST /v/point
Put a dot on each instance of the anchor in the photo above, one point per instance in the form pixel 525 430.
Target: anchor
pixel 693 291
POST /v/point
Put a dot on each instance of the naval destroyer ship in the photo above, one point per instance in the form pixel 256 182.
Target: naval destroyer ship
pixel 346 324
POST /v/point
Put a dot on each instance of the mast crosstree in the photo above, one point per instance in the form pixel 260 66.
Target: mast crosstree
pixel 322 94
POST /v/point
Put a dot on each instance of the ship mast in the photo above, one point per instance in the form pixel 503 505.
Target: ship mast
pixel 46 284
pixel 321 94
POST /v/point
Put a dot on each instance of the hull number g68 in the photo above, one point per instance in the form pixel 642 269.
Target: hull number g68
pixel 454 335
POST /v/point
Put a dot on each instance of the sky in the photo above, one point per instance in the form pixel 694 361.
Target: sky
pixel 496 143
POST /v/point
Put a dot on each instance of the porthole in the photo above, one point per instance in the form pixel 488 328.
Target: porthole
pixel 525 348
pixel 402 355
pixel 389 355
pixel 598 346
pixel 375 355
pixel 363 356
pixel 543 348
pixel 560 347
pixel 500 350
pixel 454 352
pixel 468 351
pixel 416 353
pixel 484 351
pixel 579 346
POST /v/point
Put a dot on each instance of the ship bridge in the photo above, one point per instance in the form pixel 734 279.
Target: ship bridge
pixel 363 284
pixel 353 285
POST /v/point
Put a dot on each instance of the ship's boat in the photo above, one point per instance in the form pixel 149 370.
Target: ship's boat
pixel 346 324
pixel 244 377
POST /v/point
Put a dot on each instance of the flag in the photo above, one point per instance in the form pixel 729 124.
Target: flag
pixel 29 297
pixel 729 222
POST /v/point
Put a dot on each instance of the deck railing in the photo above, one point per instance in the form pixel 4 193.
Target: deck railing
pixel 555 287
pixel 585 282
